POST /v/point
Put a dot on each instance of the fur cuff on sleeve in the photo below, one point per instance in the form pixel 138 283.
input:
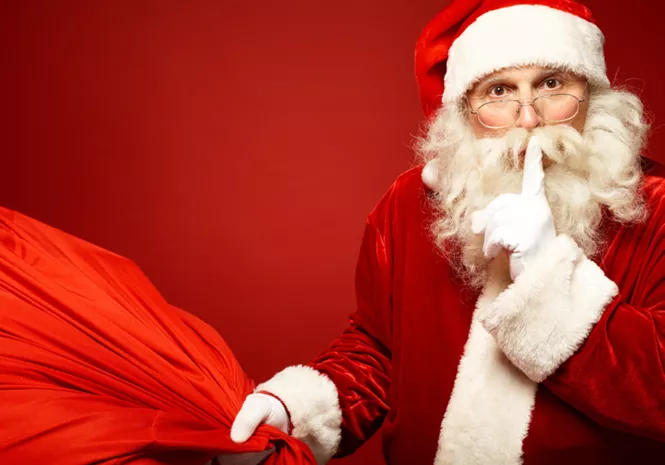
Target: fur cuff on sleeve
pixel 313 403
pixel 542 318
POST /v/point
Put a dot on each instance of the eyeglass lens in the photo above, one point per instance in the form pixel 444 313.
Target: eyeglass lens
pixel 551 108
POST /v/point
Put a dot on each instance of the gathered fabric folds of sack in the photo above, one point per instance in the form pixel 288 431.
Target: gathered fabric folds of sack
pixel 97 368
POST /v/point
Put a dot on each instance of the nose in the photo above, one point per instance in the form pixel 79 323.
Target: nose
pixel 528 118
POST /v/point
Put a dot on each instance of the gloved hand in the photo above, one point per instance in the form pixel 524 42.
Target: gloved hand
pixel 519 223
pixel 257 409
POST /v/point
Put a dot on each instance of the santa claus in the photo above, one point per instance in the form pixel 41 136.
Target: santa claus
pixel 511 288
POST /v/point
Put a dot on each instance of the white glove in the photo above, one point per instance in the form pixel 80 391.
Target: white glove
pixel 257 409
pixel 519 223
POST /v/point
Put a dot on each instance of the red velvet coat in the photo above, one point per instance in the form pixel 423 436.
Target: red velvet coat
pixel 565 365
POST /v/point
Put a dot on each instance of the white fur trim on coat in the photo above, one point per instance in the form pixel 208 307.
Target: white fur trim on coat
pixel 489 411
pixel 430 174
pixel 313 403
pixel 524 35
pixel 541 319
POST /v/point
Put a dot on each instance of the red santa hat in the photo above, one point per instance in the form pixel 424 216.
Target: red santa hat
pixel 471 39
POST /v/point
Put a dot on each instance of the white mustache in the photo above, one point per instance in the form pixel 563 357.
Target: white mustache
pixel 561 144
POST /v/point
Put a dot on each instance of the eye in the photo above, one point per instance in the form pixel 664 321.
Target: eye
pixel 551 84
pixel 498 91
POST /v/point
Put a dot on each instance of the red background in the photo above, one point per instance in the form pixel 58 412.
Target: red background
pixel 233 149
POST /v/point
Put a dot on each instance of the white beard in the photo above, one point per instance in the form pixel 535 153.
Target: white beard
pixel 585 174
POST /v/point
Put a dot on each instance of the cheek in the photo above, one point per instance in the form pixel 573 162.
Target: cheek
pixel 481 131
pixel 579 121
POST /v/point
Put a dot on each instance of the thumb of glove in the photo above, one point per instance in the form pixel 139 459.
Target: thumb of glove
pixel 256 410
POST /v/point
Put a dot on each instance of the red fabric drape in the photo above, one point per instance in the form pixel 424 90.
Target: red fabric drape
pixel 96 367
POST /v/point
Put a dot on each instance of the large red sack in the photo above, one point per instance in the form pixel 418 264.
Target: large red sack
pixel 97 368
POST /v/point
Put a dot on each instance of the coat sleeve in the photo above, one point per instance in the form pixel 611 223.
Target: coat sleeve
pixel 598 346
pixel 339 400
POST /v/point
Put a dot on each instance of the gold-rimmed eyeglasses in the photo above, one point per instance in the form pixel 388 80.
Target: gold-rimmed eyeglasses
pixel 552 108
